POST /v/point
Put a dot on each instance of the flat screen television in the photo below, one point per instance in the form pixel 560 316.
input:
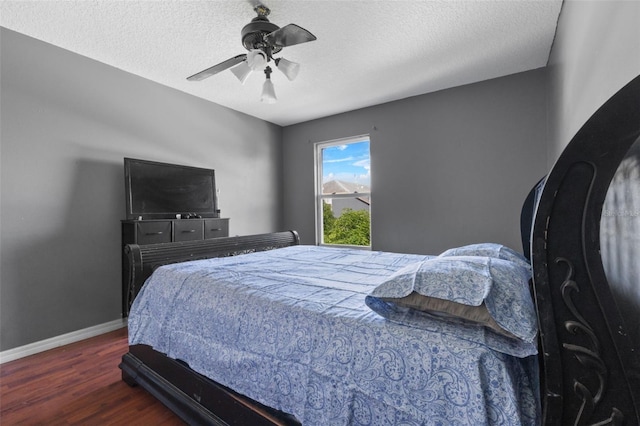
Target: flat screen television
pixel 160 190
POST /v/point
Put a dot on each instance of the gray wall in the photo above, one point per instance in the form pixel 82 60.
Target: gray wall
pixel 459 162
pixel 67 122
pixel 595 53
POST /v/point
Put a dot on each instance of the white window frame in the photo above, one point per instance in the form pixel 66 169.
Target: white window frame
pixel 319 197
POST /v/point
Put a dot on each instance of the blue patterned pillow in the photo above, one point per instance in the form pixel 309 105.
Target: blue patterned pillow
pixel 483 290
pixel 494 250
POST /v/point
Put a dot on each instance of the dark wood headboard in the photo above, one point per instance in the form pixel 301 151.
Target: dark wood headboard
pixel 144 259
pixel 590 365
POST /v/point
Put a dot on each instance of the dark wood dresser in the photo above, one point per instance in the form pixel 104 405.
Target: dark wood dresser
pixel 153 231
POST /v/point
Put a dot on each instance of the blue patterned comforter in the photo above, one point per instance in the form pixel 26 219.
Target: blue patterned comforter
pixel 289 328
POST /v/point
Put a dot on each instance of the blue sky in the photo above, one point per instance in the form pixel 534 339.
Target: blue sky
pixel 349 163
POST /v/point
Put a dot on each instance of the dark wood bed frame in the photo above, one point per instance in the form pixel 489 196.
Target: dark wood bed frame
pixel 590 366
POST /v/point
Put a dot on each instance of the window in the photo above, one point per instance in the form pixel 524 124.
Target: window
pixel 343 192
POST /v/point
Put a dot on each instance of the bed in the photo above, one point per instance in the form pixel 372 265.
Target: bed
pixel 287 335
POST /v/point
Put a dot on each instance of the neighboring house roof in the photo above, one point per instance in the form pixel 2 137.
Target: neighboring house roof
pixel 342 187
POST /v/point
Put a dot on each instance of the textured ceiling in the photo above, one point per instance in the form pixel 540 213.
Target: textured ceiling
pixel 367 52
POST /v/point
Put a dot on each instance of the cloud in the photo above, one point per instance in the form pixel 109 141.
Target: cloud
pixel 365 164
pixel 338 160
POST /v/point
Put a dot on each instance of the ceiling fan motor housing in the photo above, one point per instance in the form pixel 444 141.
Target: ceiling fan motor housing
pixel 254 32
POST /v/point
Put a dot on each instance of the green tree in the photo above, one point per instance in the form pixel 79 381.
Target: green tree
pixel 328 219
pixel 352 228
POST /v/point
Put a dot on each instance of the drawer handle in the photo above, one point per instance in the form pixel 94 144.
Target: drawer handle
pixel 154 233
pixel 188 231
pixel 216 229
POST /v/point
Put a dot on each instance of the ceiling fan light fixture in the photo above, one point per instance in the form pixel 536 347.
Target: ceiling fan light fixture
pixel 268 91
pixel 256 59
pixel 262 39
pixel 242 71
pixel 288 68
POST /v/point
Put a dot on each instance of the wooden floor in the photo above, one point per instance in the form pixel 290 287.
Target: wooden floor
pixel 77 384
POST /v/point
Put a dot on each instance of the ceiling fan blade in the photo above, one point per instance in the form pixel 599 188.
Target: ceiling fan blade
pixel 289 35
pixel 218 68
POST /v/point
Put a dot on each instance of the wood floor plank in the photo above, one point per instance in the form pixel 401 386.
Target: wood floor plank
pixel 77 384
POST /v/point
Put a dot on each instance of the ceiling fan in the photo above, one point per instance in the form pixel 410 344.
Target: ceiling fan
pixel 262 39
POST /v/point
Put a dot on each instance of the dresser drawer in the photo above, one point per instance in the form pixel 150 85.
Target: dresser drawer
pixel 187 230
pixel 153 232
pixel 214 228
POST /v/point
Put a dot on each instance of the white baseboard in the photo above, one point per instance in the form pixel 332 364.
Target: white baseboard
pixel 64 339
